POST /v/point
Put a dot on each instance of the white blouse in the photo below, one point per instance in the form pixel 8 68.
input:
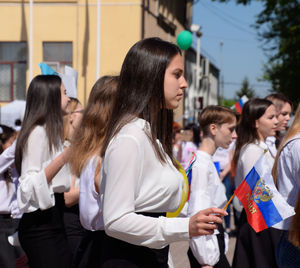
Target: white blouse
pixel 222 155
pixel 34 192
pixel 288 176
pixel 134 180
pixel 271 143
pixel 249 154
pixel 8 190
pixel 89 200
pixel 206 191
pixel 7 158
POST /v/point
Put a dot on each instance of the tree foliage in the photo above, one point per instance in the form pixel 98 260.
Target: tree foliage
pixel 245 90
pixel 278 27
pixel 229 103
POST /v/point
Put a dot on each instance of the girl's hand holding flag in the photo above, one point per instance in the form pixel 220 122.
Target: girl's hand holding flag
pixel 205 221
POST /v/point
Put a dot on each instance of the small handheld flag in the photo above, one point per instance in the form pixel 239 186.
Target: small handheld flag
pixel 46 69
pixel 189 172
pixel 240 103
pixel 262 202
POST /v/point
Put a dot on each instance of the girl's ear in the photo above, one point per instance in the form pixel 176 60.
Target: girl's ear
pixel 256 124
pixel 213 129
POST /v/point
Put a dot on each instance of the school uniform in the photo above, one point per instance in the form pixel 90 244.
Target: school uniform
pixel 253 250
pixel 271 143
pixel 137 190
pixel 9 211
pixel 73 227
pixel 90 247
pixel 222 156
pixel 41 230
pixel 206 190
pixel 288 185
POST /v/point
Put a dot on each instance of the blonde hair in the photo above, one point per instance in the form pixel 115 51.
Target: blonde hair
pixel 92 130
pixel 293 131
pixel 66 118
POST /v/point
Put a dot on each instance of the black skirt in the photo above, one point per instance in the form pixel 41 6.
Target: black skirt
pixel 287 254
pixel 255 250
pixel 8 253
pixel 88 253
pixel 223 262
pixel 43 238
pixel 116 253
pixel 73 228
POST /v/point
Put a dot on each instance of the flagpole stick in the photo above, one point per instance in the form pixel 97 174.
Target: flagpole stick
pixel 229 201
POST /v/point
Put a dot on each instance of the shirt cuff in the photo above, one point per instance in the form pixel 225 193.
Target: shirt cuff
pixel 176 229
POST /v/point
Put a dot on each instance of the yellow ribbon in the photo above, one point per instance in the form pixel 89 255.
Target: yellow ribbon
pixel 184 196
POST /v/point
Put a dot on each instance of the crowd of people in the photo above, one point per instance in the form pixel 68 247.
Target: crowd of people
pixel 90 187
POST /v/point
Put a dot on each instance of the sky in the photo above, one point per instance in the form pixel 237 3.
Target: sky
pixel 241 54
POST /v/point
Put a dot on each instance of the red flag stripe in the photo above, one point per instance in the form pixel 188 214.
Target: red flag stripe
pixel 254 216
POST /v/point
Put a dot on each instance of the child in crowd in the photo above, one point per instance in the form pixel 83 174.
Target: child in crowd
pixel 258 121
pixel 140 180
pixel 9 212
pixel 286 174
pixel 40 160
pixel 73 228
pixel 206 190
pixel 86 163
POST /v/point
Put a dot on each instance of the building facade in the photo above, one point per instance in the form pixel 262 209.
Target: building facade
pixel 92 36
pixel 208 91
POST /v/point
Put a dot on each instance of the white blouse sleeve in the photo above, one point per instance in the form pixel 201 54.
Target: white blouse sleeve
pixel 123 163
pixel 7 158
pixel 205 248
pixel 34 189
pixel 295 161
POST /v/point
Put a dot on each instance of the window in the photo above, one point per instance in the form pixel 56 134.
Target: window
pixel 13 56
pixel 58 54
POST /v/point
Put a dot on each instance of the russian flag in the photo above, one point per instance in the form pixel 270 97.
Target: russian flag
pixel 262 202
pixel 240 103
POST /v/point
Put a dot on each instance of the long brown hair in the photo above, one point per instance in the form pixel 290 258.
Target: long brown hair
pixel 246 130
pixel 293 130
pixel 43 107
pixel 89 136
pixel 140 93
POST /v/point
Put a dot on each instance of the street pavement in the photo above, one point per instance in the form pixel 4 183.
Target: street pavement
pixel 178 250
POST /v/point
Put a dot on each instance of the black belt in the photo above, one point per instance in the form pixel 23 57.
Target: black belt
pixel 152 214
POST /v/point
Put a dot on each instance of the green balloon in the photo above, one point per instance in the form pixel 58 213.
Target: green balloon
pixel 184 40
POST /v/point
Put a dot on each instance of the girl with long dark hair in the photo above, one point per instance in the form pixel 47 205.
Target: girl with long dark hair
pixel 258 121
pixel 40 161
pixel 140 177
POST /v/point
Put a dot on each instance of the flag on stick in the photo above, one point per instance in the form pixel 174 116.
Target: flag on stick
pixel 240 103
pixel 262 202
